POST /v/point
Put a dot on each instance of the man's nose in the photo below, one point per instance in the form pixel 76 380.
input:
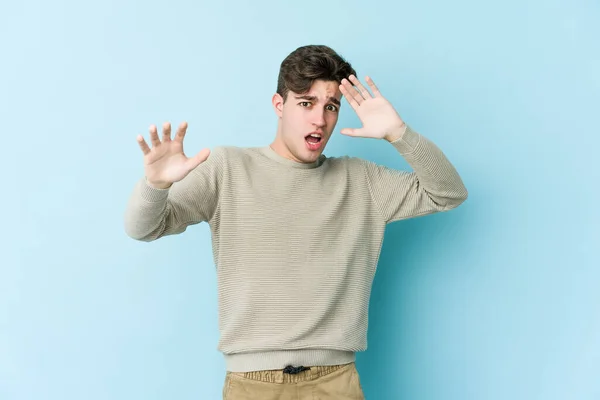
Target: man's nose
pixel 319 118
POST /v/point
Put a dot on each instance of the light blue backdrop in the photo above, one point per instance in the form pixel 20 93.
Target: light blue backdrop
pixel 496 300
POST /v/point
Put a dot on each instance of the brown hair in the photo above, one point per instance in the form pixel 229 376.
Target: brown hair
pixel 306 64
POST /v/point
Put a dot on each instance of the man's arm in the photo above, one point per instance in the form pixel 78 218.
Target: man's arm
pixel 152 213
pixel 433 186
pixel 176 191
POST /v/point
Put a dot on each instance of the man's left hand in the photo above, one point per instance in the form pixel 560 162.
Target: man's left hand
pixel 379 118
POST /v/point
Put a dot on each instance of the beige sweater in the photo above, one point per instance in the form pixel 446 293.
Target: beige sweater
pixel 295 245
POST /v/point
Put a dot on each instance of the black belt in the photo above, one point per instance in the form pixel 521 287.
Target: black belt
pixel 294 370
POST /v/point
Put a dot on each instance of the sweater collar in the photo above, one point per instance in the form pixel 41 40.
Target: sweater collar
pixel 269 152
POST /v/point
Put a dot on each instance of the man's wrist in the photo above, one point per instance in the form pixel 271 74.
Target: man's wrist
pixel 396 134
pixel 158 185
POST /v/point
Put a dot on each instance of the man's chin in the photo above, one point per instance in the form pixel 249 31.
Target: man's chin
pixel 310 156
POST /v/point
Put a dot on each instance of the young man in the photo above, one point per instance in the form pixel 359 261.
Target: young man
pixel 296 235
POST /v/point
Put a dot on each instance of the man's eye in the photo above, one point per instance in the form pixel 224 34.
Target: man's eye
pixel 332 108
pixel 304 103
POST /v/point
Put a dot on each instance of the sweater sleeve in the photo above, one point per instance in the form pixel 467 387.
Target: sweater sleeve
pixel 153 213
pixel 433 186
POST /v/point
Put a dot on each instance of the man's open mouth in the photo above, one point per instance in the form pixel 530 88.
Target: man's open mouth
pixel 313 138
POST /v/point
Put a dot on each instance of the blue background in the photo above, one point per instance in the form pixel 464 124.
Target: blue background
pixel 495 300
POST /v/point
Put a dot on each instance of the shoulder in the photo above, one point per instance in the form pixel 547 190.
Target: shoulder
pixel 227 156
pixel 232 154
pixel 345 162
pixel 228 153
pixel 224 160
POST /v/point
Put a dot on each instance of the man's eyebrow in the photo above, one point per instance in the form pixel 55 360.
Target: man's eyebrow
pixel 307 97
pixel 314 98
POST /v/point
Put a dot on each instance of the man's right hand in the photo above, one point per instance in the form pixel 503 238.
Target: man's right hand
pixel 165 162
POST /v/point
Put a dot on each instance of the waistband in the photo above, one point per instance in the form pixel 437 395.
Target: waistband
pixel 280 376
pixel 279 359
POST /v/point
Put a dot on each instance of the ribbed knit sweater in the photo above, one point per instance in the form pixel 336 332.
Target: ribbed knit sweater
pixel 295 245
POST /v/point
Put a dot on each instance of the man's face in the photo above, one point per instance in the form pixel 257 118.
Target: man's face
pixel 307 121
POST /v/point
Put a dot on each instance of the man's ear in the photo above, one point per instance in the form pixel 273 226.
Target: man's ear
pixel 278 104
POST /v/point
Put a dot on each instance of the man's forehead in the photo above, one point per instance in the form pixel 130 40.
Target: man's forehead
pixel 329 88
pixel 333 92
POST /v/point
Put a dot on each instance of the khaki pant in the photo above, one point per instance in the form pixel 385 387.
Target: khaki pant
pixel 340 382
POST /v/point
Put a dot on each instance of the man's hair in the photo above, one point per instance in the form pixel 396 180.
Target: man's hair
pixel 306 64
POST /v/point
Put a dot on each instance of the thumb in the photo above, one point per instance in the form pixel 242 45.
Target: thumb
pixel 198 159
pixel 351 131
